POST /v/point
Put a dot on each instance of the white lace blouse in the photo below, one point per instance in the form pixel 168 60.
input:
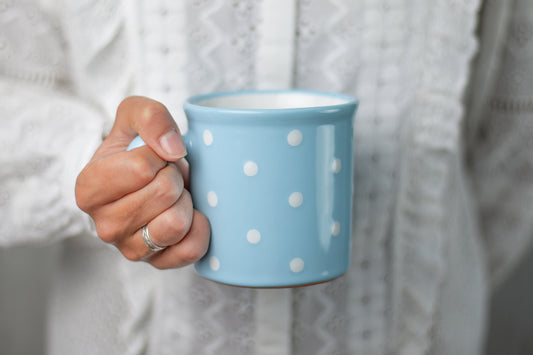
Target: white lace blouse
pixel 443 164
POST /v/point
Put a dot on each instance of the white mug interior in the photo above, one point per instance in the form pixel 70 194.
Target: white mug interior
pixel 271 101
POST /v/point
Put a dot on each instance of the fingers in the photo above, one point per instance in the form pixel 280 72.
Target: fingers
pixel 184 248
pixel 124 190
pixel 105 180
pixel 113 172
pixel 168 228
pixel 183 167
pixel 173 224
pixel 152 121
pixel 189 250
pixel 122 218
pixel 179 228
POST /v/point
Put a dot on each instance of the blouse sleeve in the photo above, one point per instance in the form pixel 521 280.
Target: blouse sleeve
pixel 47 133
pixel 45 140
pixel 501 141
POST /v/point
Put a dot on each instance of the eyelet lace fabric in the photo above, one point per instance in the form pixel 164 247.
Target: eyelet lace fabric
pixel 343 46
pixel 407 61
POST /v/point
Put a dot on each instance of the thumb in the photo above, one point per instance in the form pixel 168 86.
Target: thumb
pixel 150 120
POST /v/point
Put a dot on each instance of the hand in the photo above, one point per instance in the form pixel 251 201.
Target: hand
pixel 125 190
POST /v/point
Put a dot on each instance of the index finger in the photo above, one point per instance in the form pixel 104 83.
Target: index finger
pixel 111 177
pixel 137 115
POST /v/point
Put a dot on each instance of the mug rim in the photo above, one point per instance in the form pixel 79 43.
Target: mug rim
pixel 349 102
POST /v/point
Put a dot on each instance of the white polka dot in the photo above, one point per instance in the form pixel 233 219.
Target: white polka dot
pixel 336 166
pixel 250 168
pixel 335 229
pixel 214 263
pixel 295 137
pixel 296 265
pixel 208 137
pixel 212 198
pixel 253 236
pixel 296 199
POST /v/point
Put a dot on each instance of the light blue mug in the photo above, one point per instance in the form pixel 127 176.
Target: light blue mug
pixel 272 171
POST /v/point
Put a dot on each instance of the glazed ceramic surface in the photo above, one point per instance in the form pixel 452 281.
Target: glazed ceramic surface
pixel 272 171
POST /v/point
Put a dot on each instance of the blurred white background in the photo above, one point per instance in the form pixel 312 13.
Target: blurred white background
pixel 25 274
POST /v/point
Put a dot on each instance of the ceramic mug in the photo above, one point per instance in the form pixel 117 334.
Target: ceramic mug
pixel 272 171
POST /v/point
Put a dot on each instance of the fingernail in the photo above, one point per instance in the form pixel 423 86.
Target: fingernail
pixel 173 144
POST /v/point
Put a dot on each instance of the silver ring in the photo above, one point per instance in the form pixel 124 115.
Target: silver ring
pixel 148 241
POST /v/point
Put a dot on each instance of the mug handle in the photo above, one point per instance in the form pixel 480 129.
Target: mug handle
pixel 137 142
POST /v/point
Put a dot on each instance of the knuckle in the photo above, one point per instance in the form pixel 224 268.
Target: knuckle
pixel 107 232
pixel 192 254
pixel 141 170
pixel 203 227
pixel 82 193
pixel 162 266
pixel 157 266
pixel 125 103
pixel 168 188
pixel 81 200
pixel 178 224
pixel 132 254
pixel 151 111
pixel 182 221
